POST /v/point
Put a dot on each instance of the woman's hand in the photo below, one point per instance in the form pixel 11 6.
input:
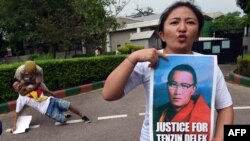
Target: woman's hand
pixel 144 55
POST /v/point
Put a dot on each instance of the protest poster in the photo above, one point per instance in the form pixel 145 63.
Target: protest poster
pixel 23 123
pixel 182 92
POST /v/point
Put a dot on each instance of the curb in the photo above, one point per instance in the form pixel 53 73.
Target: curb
pixel 11 105
pixel 239 79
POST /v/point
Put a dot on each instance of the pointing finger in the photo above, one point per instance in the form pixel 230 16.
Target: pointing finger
pixel 164 56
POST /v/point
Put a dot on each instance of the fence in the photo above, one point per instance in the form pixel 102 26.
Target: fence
pixel 227 50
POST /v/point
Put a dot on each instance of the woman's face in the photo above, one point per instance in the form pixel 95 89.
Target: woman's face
pixel 181 29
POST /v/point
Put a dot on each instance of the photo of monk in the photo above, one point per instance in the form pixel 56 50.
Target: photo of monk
pixel 183 98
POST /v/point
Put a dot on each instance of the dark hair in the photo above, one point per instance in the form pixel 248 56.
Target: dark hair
pixel 12 81
pixel 178 4
pixel 183 67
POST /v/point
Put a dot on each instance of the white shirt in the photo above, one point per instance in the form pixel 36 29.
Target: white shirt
pixel 25 100
pixel 141 75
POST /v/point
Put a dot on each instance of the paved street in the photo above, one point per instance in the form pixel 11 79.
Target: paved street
pixel 241 97
pixel 113 121
pixel 127 127
pixel 226 68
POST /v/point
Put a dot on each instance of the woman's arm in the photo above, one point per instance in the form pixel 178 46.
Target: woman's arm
pixel 114 85
pixel 116 81
pixel 225 117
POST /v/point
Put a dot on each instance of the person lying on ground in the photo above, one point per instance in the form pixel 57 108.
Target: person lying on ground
pixel 47 105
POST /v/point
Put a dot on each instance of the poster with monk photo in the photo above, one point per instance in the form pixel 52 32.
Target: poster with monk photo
pixel 182 92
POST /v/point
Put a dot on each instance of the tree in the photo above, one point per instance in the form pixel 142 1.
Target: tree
pixel 116 6
pixel 58 24
pixel 16 22
pixel 244 5
pixel 143 12
pixel 229 25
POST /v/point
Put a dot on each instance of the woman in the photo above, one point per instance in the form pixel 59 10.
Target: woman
pixel 179 28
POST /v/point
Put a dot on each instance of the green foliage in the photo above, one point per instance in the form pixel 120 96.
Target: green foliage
pixel 128 48
pixel 63 73
pixel 244 5
pixel 206 30
pixel 56 23
pixel 230 25
pixel 83 55
pixel 40 57
pixel 124 50
pixel 7 72
pixel 109 53
pixel 243 65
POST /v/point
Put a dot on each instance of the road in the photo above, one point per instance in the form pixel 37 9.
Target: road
pixel 112 121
